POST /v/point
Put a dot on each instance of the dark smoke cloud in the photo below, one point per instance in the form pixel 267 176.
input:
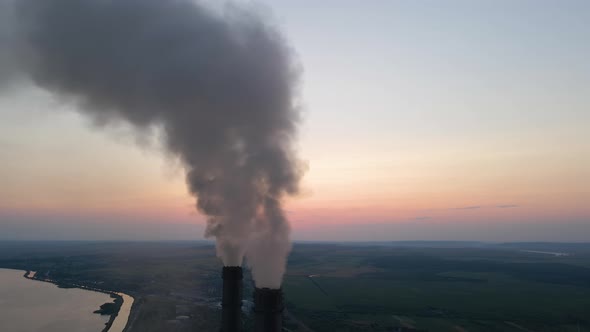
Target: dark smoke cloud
pixel 8 45
pixel 220 84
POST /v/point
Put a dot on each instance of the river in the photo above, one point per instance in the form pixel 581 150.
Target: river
pixel 35 306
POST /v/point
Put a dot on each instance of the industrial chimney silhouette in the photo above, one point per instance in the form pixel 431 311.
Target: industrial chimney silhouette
pixel 231 302
pixel 268 304
pixel 268 310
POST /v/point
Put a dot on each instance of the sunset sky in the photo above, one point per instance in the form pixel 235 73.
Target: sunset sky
pixel 423 120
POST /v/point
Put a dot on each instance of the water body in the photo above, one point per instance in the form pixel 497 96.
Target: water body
pixel 36 306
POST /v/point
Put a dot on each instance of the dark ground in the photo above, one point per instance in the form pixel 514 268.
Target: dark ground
pixel 433 286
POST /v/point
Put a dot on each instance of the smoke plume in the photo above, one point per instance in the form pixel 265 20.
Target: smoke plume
pixel 221 84
pixel 8 45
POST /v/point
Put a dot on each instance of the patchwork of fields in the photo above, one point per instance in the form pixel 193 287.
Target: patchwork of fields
pixel 438 289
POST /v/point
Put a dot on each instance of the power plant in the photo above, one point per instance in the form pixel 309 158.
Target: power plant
pixel 268 310
pixel 231 300
pixel 268 304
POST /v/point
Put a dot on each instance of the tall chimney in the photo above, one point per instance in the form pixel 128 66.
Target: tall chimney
pixel 231 302
pixel 268 310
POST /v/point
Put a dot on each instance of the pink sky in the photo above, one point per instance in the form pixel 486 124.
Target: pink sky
pixel 419 123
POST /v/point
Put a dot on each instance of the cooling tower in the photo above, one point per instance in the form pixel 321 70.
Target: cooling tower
pixel 231 302
pixel 268 310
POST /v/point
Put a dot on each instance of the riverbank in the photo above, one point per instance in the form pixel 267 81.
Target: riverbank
pixel 123 302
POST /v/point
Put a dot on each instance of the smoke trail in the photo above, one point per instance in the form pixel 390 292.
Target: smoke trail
pixel 8 45
pixel 220 85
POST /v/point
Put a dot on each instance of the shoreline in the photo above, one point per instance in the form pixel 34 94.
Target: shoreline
pixel 117 296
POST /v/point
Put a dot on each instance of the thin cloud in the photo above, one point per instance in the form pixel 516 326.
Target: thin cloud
pixel 506 206
pixel 472 207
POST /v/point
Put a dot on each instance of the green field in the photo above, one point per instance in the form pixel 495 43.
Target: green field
pixel 339 287
pixel 438 289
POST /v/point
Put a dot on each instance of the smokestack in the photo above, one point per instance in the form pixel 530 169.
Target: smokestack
pixel 231 302
pixel 268 310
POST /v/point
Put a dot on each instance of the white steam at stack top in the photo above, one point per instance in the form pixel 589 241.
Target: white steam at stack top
pixel 221 85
